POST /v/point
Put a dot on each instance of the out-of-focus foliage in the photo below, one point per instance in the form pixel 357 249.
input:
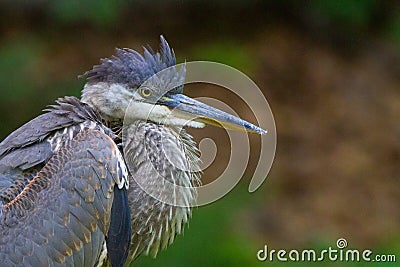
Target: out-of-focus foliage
pixel 226 52
pixel 98 13
pixel 352 14
pixel 394 29
pixel 17 66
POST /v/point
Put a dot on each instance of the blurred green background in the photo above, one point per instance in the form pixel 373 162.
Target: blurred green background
pixel 329 69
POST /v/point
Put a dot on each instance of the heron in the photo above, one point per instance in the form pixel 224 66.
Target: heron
pixel 86 183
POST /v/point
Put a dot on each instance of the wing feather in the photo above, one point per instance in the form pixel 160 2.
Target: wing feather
pixel 64 212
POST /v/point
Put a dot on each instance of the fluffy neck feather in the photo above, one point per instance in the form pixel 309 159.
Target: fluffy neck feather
pixel 157 155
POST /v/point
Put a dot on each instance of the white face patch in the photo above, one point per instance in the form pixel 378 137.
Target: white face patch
pixel 159 114
pixel 147 111
pixel 185 122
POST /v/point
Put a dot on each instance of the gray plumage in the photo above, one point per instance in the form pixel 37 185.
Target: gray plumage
pixel 24 147
pixel 158 152
pixel 64 175
pixel 57 177
pixel 155 154
pixel 159 157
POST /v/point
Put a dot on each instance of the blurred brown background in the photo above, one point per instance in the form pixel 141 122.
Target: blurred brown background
pixel 329 69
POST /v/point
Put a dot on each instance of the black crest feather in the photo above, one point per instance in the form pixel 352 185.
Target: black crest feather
pixel 130 67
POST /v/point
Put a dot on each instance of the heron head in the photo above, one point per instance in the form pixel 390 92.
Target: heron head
pixel 150 87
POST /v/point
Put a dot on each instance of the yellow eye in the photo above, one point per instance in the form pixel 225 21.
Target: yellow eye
pixel 146 92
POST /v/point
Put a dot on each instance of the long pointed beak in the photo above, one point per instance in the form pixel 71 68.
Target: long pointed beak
pixel 189 108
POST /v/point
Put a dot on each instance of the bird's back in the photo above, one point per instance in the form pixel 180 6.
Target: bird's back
pixel 57 177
